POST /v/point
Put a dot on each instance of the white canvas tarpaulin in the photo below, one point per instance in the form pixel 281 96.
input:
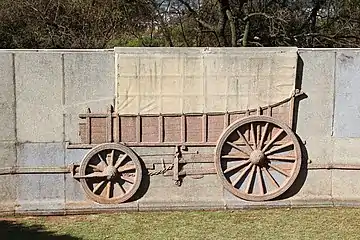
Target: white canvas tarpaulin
pixel 197 80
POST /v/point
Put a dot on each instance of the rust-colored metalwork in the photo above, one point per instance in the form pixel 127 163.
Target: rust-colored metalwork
pixel 257 156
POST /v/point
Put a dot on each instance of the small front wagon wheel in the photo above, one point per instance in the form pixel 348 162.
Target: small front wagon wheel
pixel 110 173
pixel 258 158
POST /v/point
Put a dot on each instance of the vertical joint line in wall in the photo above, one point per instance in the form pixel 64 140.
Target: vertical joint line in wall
pixel 15 104
pixel 160 82
pixel 63 120
pixel 204 68
pixel 138 85
pixel 333 97
pixel 182 85
pixel 63 94
pixel 117 76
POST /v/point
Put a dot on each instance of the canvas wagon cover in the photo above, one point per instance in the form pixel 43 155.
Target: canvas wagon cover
pixel 201 80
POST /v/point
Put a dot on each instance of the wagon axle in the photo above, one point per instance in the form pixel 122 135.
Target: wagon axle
pixel 257 157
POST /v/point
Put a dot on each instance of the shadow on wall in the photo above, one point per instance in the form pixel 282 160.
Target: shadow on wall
pixel 301 178
pixel 10 230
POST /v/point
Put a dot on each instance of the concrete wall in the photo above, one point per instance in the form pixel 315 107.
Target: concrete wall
pixel 42 92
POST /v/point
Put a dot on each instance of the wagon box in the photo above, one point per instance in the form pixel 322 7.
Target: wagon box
pixel 234 122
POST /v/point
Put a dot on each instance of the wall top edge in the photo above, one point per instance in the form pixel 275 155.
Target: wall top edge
pixel 131 49
pixel 202 49
pixel 56 50
pixel 328 49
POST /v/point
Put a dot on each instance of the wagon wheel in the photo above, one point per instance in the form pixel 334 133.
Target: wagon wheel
pixel 258 158
pixel 110 173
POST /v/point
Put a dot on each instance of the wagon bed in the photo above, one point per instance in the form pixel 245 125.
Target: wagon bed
pixel 187 129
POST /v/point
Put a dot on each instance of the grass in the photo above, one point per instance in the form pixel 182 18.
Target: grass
pixel 305 223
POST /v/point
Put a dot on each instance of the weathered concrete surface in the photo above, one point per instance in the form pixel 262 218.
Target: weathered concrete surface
pixel 347 98
pixel 73 190
pixel 163 194
pixel 89 83
pixel 7 154
pixel 7 193
pixel 41 154
pixel 317 186
pixel 346 151
pixel 176 80
pixel 40 192
pixel 39 98
pixel 314 123
pixel 7 98
pixel 53 87
pixel 346 185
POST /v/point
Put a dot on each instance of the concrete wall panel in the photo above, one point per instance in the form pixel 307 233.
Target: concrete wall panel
pixel 39 97
pixel 346 151
pixel 37 192
pixel 314 123
pixel 41 154
pixel 7 154
pixel 347 97
pixel 201 193
pixel 89 83
pixel 7 98
pixel 346 185
pixel 73 190
pixel 7 194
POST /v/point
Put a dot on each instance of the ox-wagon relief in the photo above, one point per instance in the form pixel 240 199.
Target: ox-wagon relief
pixel 252 149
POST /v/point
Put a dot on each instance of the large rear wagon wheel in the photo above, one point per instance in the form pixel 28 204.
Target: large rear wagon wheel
pixel 257 158
pixel 110 173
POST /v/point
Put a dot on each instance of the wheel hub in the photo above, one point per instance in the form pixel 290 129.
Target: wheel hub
pixel 111 172
pixel 257 157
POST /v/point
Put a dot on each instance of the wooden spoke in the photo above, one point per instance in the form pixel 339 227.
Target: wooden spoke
pixel 120 160
pixel 120 167
pixel 282 158
pixel 95 168
pixel 288 144
pixel 233 156
pixel 260 180
pixel 263 136
pixel 110 158
pixel 121 187
pixel 252 129
pixel 98 186
pixel 279 170
pixel 102 160
pixel 241 175
pixel 238 148
pixel 102 165
pixel 93 175
pixel 258 134
pixel 273 181
pixel 127 179
pixel 273 140
pixel 237 166
pixel 251 174
pixel 108 189
pixel 257 158
pixel 244 139
pixel 126 168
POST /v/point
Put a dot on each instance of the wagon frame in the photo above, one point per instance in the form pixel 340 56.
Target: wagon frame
pixel 253 134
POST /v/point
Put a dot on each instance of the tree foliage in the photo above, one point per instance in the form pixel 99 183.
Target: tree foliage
pixel 109 23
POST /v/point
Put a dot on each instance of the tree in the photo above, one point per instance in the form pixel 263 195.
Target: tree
pixel 223 23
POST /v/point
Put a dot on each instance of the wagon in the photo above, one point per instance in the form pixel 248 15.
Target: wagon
pixel 254 152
